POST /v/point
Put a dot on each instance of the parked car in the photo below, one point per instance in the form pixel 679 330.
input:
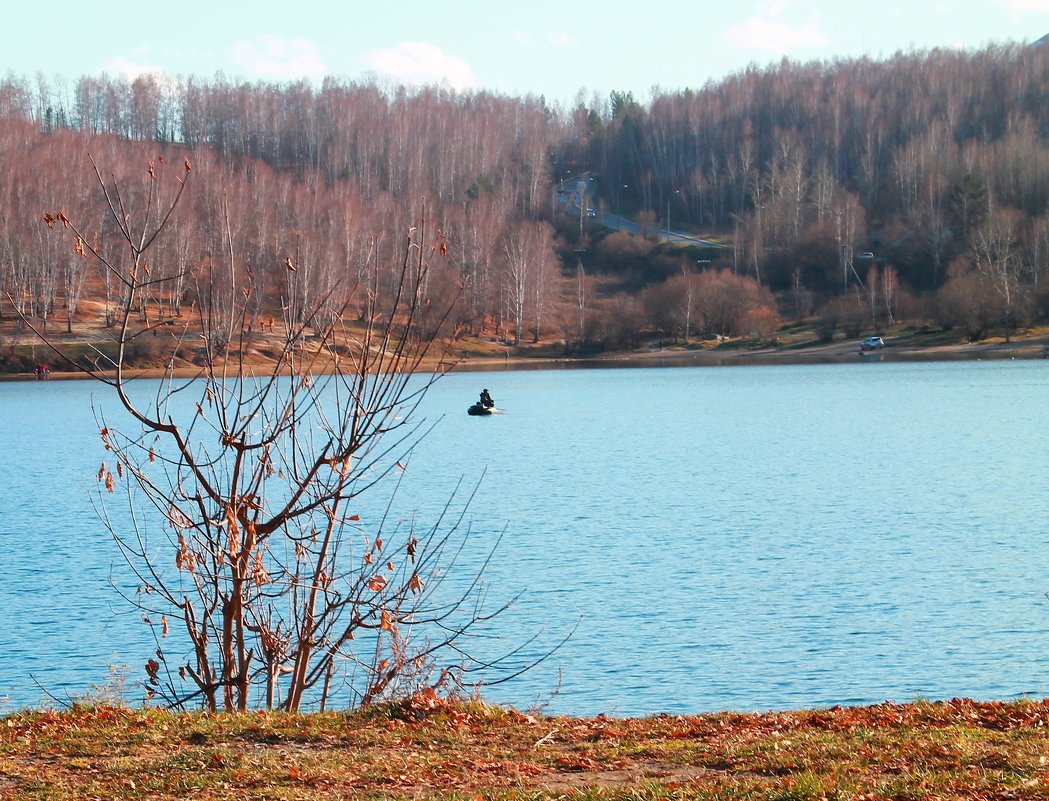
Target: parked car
pixel 872 343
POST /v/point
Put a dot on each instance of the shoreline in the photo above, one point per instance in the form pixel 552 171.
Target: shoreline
pixel 1029 347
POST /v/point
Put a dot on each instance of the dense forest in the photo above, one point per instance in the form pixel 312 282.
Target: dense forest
pixel 855 194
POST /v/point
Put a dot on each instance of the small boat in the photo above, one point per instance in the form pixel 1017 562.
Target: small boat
pixel 480 409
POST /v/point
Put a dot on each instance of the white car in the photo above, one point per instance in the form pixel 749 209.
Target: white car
pixel 872 343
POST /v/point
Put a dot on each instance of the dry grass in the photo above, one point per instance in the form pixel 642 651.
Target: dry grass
pixel 960 749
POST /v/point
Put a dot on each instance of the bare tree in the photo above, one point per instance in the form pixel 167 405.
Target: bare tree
pixel 581 298
pixel 527 258
pixel 249 532
pixel 996 248
pixel 890 284
pixel 849 227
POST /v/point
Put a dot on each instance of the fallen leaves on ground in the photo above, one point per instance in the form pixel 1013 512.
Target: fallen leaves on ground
pixel 956 749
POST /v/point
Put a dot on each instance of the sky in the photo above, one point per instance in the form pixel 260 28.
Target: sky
pixel 564 50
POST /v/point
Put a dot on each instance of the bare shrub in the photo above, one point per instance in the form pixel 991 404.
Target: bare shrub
pixel 264 577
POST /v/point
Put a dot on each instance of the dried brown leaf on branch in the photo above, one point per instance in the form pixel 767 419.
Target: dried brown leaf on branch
pixel 377 583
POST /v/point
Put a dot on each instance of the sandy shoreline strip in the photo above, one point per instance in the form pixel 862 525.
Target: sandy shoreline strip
pixel 835 353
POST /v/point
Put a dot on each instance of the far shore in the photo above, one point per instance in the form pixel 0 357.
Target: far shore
pixel 1019 347
pixel 734 353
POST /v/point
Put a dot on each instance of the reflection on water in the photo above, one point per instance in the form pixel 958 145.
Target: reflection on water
pixel 726 538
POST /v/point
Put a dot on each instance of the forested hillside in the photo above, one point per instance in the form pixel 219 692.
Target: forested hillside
pixel 858 193
pixel 935 164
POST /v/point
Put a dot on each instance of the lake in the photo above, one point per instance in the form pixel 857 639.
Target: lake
pixel 737 538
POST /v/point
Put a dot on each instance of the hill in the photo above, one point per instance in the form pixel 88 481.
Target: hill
pixel 851 195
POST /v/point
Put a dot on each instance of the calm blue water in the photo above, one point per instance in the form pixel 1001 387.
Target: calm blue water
pixel 724 538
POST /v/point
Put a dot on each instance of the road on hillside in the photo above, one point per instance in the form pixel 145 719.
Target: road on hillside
pixel 621 223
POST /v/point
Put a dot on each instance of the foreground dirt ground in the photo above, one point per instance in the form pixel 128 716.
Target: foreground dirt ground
pixel 959 749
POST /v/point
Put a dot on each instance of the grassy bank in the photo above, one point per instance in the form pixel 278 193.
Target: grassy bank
pixel 959 749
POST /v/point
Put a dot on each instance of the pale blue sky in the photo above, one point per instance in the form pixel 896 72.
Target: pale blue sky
pixel 551 47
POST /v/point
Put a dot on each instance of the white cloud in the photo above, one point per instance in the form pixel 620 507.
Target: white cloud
pixel 1027 6
pixel 420 64
pixel 774 8
pixel 771 35
pixel 129 68
pixel 555 39
pixel 139 63
pixel 277 58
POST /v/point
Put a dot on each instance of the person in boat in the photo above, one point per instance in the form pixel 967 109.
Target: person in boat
pixel 486 399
